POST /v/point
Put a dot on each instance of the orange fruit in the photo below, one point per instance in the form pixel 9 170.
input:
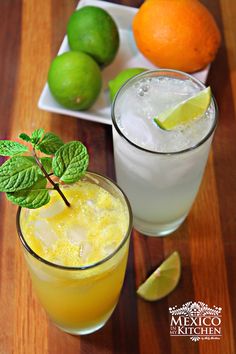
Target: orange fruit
pixel 176 34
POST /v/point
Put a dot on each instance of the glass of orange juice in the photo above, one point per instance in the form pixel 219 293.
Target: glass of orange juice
pixel 77 255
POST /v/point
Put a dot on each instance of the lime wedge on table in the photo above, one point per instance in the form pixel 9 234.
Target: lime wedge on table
pixel 163 280
pixel 185 111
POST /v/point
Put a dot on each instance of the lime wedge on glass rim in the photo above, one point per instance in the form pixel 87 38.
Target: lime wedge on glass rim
pixel 185 111
pixel 163 280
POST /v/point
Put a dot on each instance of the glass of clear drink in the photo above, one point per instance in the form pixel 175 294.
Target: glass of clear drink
pixel 160 171
pixel 77 255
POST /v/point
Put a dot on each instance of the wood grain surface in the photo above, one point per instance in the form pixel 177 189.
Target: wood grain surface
pixel 30 35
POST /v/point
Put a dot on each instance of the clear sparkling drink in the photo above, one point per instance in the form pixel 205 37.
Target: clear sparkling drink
pixel 77 255
pixel 159 170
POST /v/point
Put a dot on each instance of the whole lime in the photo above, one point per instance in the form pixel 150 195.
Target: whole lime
pixel 116 83
pixel 75 80
pixel 92 30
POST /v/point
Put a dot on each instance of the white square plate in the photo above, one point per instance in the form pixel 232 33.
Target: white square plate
pixel 127 56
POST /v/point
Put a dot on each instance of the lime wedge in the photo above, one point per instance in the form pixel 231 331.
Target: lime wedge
pixel 163 280
pixel 185 111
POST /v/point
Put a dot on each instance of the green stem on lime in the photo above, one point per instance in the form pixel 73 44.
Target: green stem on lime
pixel 55 185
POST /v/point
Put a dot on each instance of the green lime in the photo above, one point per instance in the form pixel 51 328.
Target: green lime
pixel 163 280
pixel 93 31
pixel 75 80
pixel 116 83
pixel 185 111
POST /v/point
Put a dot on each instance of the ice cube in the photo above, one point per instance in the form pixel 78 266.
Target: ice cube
pixel 90 202
pixel 44 232
pixel 52 209
pixel 143 87
pixel 85 250
pixel 109 248
pixel 25 213
pixel 77 235
pixel 40 270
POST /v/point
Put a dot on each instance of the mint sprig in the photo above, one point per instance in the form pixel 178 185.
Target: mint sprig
pixel 25 178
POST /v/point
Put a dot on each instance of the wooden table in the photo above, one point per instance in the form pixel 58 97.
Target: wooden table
pixel 31 32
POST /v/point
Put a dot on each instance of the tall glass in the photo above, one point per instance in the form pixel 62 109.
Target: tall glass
pixel 161 185
pixel 79 300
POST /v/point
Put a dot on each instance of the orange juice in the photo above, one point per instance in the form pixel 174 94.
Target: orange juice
pixel 77 255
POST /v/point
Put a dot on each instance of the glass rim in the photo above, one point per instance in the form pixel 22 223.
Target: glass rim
pixel 92 265
pixel 149 72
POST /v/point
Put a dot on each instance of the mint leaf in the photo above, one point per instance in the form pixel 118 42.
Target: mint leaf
pixel 70 162
pixel 10 148
pixel 18 173
pixel 25 178
pixel 32 198
pixel 47 163
pixel 25 137
pixel 37 135
pixel 49 144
